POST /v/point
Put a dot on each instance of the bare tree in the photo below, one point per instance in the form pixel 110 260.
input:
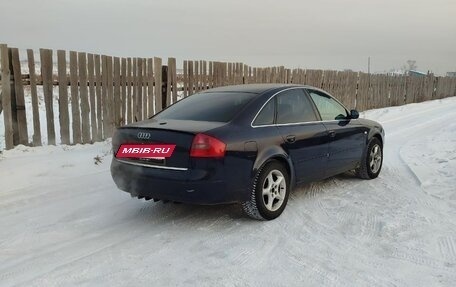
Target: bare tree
pixel 411 65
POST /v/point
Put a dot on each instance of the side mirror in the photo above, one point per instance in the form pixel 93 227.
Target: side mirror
pixel 354 114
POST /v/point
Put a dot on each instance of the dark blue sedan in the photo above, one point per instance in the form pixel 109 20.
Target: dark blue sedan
pixel 248 144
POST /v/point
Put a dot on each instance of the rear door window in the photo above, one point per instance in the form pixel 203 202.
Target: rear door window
pixel 293 106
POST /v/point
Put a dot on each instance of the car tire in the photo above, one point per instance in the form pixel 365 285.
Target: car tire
pixel 371 161
pixel 270 191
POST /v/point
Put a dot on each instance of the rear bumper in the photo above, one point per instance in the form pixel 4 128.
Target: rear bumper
pixel 194 186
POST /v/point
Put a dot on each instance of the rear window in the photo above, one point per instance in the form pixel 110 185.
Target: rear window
pixel 211 107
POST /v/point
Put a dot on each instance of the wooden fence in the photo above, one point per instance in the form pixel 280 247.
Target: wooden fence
pixel 97 93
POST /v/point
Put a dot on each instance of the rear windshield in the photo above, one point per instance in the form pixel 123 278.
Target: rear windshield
pixel 211 107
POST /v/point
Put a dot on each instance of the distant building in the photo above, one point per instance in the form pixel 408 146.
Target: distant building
pixel 416 73
pixel 451 74
pixel 396 72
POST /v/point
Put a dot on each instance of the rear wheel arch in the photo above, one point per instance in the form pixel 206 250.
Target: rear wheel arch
pixel 283 161
pixel 286 162
pixel 379 137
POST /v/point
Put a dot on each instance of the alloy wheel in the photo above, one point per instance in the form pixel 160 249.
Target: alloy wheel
pixel 274 190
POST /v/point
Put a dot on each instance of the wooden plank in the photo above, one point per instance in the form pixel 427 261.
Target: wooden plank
pixel 144 87
pixel 245 74
pixel 203 85
pixel 215 67
pixel 348 90
pixel 230 74
pixel 203 72
pixel 169 83
pixel 196 76
pixel 363 92
pixel 124 82
pixel 139 102
pixel 99 99
pixel 20 101
pixel 13 99
pixel 92 96
pixel 75 112
pixel 135 90
pixel 46 73
pixel 83 93
pixel 158 84
pixel 200 75
pixel 223 74
pixel 210 75
pixel 185 78
pixel 281 74
pixel 129 92
pixel 64 116
pixel 392 92
pixel 150 84
pixel 104 96
pixel 174 81
pixel 6 97
pixel 110 102
pixel 410 94
pixel 191 78
pixel 171 96
pixel 34 95
pixel 117 99
pixel 205 78
pixel 428 87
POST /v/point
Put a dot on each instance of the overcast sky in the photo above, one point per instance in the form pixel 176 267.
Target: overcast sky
pixel 323 34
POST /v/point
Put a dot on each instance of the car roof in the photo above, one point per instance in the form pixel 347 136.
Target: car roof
pixel 253 88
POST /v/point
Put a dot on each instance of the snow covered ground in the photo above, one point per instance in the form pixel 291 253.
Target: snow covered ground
pixel 63 222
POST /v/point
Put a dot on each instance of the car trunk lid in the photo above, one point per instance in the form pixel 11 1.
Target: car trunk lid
pixel 176 132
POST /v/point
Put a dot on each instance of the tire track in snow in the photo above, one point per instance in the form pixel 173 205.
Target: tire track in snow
pixel 447 248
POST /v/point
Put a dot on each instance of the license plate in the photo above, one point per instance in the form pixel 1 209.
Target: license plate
pixel 145 151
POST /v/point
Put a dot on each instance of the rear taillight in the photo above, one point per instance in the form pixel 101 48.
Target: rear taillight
pixel 207 146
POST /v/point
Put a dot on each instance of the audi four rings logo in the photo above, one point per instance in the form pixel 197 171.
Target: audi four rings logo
pixel 143 136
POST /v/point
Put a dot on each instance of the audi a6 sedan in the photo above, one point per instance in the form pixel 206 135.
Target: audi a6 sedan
pixel 247 144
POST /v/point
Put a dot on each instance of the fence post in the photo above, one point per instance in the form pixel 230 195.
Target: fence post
pixel 164 86
pixel 6 97
pixel 13 98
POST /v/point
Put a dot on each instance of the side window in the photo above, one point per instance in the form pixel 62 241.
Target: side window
pixel 266 116
pixel 293 106
pixel 329 108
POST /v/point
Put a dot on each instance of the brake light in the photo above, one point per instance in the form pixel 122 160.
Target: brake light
pixel 207 146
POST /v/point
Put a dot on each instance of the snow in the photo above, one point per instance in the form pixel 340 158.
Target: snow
pixel 63 221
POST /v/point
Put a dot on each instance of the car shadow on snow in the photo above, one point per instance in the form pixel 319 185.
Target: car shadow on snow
pixel 175 213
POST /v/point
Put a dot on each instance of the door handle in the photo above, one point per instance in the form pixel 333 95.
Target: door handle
pixel 291 138
pixel 332 134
